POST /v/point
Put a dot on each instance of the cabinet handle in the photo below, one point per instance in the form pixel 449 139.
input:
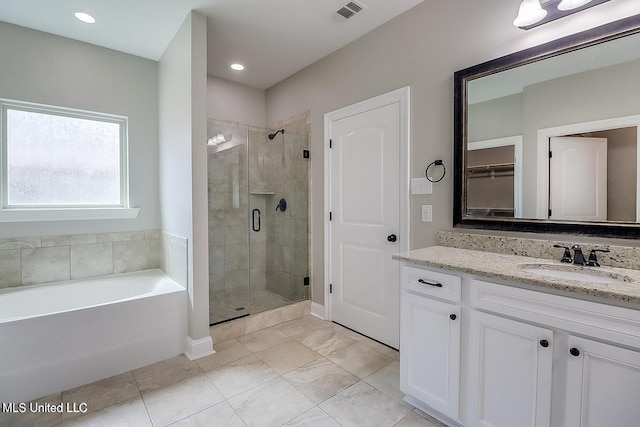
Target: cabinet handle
pixel 544 343
pixel 574 351
pixel 453 317
pixel 424 282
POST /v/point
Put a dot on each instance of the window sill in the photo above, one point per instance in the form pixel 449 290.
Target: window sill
pixel 63 214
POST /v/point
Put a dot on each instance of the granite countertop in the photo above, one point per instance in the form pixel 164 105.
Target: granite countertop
pixel 510 267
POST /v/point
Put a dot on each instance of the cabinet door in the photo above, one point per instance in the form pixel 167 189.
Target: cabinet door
pixel 603 385
pixel 510 373
pixel 430 352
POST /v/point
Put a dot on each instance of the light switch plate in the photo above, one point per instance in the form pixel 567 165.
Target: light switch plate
pixel 421 186
pixel 427 213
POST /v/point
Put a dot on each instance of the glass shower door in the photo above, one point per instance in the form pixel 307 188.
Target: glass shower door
pixel 278 242
pixel 228 218
pixel 258 219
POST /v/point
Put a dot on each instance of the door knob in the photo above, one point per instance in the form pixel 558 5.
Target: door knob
pixel 392 238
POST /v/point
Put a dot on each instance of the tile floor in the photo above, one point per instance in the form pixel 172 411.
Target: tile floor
pixel 305 372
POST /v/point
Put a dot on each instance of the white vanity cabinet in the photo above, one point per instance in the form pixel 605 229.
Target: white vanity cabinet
pixel 509 372
pixel 603 385
pixel 430 339
pixel 515 357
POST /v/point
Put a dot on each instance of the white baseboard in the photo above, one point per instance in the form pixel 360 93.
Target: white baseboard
pixel 317 310
pixel 199 348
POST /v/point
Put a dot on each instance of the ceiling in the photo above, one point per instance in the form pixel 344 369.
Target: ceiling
pixel 272 38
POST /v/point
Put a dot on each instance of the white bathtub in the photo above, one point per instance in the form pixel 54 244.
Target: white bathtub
pixel 58 336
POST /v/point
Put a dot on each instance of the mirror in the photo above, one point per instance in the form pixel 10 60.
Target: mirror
pixel 547 139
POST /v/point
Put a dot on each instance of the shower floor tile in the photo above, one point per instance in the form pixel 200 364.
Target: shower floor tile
pixel 235 387
pixel 233 303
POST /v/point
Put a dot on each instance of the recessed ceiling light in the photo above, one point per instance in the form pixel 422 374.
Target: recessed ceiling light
pixel 237 67
pixel 85 17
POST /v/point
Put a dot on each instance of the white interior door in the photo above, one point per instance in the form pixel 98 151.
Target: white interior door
pixel 364 228
pixel 578 178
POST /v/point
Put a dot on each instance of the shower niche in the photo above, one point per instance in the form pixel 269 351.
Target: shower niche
pixel 258 183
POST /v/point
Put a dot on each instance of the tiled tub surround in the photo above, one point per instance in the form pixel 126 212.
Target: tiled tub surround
pixel 45 259
pixel 620 256
pixel 509 268
pixel 305 372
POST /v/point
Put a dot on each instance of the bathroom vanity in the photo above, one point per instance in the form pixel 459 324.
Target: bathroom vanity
pixel 498 340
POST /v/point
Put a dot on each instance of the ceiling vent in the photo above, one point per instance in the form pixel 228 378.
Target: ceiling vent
pixel 347 11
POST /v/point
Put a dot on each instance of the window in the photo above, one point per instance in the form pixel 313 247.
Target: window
pixel 58 158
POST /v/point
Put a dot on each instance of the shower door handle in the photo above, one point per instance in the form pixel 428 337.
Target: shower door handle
pixel 255 225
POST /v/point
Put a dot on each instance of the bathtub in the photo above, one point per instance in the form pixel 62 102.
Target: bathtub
pixel 58 336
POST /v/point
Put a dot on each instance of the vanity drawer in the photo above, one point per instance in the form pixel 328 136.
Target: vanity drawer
pixel 610 323
pixel 426 282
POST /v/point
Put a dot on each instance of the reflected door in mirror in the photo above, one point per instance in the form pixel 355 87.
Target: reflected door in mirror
pixel 578 178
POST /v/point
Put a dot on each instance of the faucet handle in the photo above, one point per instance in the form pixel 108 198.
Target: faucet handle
pixel 566 257
pixel 593 259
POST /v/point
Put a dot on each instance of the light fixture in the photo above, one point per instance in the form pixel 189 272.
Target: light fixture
pixel 533 13
pixel 572 4
pixel 219 139
pixel 85 17
pixel 237 67
pixel 530 12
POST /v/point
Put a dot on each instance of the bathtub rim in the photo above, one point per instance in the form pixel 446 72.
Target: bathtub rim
pixel 153 272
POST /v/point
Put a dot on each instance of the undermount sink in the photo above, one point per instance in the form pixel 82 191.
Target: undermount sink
pixel 575 273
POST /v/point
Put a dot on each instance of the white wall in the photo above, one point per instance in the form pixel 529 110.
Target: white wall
pixel 421 48
pixel 47 69
pixel 183 169
pixel 234 102
pixel 497 118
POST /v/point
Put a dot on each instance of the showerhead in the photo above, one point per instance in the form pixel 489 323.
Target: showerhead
pixel 273 135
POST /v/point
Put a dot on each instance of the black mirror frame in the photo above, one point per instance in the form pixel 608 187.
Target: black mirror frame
pixel 594 36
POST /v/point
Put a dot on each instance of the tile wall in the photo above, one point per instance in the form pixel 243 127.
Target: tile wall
pixel 174 257
pixel 45 259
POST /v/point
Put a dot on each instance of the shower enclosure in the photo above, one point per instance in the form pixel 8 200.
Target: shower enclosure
pixel 258 182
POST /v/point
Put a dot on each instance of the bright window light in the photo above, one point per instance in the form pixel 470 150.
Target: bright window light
pixel 62 158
